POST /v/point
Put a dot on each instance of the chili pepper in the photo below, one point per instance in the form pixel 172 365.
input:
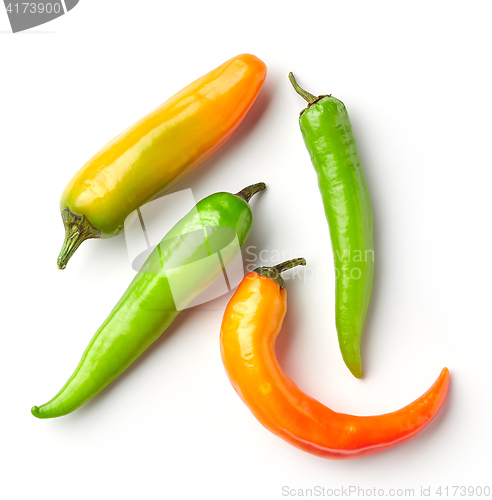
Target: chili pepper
pixel 252 320
pixel 157 152
pixel 177 268
pixel 327 133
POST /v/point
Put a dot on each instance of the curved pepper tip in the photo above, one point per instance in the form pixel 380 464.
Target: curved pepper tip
pixel 443 377
pixel 354 365
pixel 356 371
pixel 35 411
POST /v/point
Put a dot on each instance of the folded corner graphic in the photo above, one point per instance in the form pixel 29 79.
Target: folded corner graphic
pixel 26 15
pixel 70 4
pixel 212 264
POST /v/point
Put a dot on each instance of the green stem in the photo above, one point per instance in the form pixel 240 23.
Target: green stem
pixel 248 192
pixel 310 98
pixel 289 264
pixel 77 230
pixel 275 273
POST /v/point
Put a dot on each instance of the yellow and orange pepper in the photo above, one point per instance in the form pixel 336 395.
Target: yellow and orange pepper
pixel 157 152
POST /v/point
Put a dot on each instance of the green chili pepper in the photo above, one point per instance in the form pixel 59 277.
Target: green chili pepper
pixel 328 136
pixel 177 270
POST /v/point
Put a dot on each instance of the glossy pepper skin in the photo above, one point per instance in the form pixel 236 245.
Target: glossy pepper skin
pixel 158 151
pixel 148 306
pixel 252 320
pixel 327 133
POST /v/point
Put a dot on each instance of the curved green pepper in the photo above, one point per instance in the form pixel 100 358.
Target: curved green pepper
pixel 176 270
pixel 328 136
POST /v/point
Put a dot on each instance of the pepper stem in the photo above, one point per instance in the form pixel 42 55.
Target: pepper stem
pixel 248 192
pixel 310 98
pixel 275 273
pixel 77 230
pixel 289 264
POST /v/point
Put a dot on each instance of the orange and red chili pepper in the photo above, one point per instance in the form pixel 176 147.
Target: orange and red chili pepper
pixel 252 320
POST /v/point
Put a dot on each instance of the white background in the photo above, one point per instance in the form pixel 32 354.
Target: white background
pixel 415 77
